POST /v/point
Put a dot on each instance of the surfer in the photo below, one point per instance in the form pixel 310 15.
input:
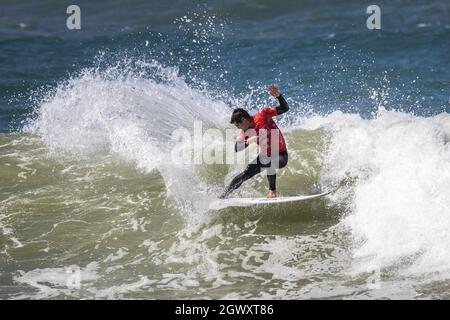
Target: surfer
pixel 261 129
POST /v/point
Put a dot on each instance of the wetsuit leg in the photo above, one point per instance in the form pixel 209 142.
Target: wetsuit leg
pixel 254 168
pixel 272 178
pixel 282 160
pixel 251 170
pixel 283 156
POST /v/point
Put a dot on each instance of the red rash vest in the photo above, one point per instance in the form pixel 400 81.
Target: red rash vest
pixel 266 129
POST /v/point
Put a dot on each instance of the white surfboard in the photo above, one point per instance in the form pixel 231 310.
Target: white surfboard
pixel 246 202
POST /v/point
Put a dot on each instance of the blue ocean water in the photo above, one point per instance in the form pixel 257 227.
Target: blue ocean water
pixel 320 52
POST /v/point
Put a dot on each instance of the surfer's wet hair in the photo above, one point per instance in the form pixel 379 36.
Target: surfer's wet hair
pixel 239 114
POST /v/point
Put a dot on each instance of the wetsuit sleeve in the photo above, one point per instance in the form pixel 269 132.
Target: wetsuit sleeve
pixel 239 146
pixel 241 143
pixel 283 105
pixel 282 108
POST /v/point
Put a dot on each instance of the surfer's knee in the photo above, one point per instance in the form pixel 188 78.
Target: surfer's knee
pixel 252 169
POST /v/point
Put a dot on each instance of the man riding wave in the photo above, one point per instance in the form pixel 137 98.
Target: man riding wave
pixel 261 129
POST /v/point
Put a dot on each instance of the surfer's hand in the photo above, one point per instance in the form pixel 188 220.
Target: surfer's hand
pixel 273 90
pixel 251 140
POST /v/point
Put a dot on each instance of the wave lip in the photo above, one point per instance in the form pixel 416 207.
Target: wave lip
pixel 130 110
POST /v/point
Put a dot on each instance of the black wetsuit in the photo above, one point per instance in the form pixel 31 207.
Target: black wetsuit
pixel 257 165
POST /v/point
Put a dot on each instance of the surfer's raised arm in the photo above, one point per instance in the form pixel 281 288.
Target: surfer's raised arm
pixel 283 107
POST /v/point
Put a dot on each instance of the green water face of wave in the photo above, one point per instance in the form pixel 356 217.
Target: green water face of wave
pixel 126 236
pixel 118 223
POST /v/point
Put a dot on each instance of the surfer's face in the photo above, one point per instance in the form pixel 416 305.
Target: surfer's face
pixel 244 124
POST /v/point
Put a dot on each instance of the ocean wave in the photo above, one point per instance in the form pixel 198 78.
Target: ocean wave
pixel 398 204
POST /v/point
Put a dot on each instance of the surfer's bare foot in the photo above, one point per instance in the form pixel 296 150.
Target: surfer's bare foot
pixel 271 194
pixel 221 195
